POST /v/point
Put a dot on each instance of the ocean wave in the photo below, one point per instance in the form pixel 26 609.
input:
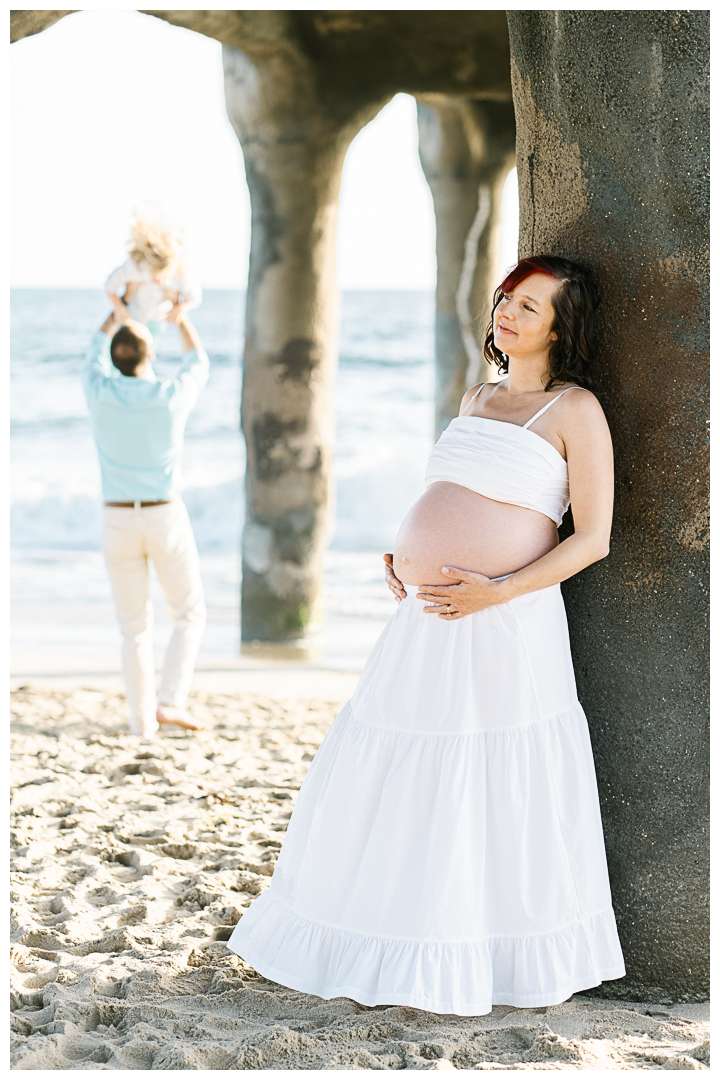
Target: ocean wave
pixel 74 522
pixel 368 510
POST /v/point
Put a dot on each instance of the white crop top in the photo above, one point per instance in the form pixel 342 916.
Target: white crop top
pixel 503 461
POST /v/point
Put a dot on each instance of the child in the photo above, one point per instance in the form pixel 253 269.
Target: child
pixel 157 289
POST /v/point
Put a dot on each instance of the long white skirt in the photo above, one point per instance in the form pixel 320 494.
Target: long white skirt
pixel 446 850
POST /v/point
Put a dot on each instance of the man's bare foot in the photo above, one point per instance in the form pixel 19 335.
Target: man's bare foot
pixel 170 714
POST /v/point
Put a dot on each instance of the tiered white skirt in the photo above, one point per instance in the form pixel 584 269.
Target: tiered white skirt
pixel 446 850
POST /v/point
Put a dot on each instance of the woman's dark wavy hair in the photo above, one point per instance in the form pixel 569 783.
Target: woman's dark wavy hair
pixel 575 304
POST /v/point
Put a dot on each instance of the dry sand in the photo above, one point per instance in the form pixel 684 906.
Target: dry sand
pixel 132 862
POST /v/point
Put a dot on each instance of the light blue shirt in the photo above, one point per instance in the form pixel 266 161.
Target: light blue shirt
pixel 139 423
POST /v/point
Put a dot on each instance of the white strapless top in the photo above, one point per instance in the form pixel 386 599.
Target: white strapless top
pixel 504 462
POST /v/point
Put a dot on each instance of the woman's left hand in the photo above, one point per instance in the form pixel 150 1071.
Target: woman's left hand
pixel 474 593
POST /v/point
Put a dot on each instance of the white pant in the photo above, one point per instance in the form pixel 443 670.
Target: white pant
pixel 131 535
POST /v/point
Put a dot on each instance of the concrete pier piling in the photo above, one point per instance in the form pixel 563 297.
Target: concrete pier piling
pixel 612 168
pixel 294 147
pixel 467 148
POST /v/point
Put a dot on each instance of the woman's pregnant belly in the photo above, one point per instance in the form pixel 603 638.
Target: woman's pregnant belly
pixel 450 525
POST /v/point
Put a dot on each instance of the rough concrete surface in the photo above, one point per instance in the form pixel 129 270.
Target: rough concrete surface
pixel 613 162
pixel 26 23
pixel 133 860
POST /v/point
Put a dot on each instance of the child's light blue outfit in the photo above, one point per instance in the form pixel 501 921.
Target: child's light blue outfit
pixel 157 329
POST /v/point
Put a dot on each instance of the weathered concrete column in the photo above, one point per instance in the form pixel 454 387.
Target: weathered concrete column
pixel 294 150
pixel 26 23
pixel 467 149
pixel 612 164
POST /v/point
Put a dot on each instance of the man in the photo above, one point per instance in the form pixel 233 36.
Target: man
pixel 139 424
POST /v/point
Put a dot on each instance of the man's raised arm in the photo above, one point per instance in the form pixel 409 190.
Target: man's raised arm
pixel 188 335
pixel 195 369
pixel 98 365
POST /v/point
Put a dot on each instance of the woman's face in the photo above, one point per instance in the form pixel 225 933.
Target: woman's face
pixel 524 316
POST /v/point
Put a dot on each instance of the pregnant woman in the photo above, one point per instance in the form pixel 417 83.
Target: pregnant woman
pixel 446 851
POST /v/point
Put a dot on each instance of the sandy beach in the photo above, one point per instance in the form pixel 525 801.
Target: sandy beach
pixel 133 860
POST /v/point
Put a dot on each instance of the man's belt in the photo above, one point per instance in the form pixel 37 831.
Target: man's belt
pixel 158 502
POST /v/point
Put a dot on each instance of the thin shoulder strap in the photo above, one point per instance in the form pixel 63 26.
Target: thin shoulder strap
pixel 551 402
pixel 472 399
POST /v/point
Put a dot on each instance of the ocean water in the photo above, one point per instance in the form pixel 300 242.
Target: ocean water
pixel 62 606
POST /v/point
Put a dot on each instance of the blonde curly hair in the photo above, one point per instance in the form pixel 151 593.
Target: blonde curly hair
pixel 155 244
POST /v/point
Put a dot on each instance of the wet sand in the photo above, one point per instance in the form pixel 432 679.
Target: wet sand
pixel 133 860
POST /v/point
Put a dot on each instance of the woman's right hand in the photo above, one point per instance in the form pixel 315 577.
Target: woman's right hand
pixel 395 586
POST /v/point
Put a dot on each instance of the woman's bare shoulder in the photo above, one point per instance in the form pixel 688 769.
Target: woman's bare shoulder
pixel 580 413
pixel 585 401
pixel 469 395
pixel 476 389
